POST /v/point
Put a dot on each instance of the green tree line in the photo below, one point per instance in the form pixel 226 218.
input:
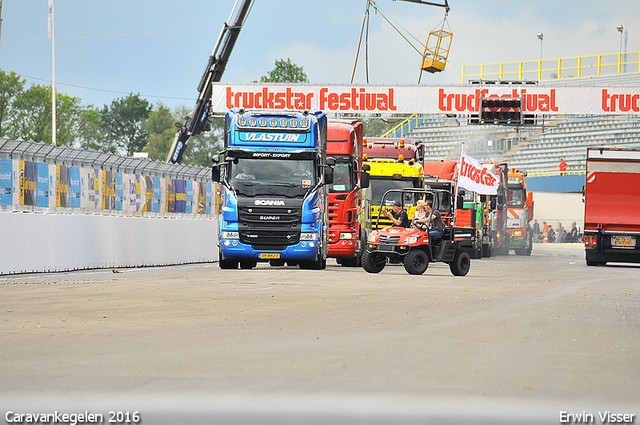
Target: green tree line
pixel 129 124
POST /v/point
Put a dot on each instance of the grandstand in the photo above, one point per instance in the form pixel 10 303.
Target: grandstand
pixel 537 149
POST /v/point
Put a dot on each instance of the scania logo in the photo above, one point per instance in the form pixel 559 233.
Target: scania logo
pixel 269 217
pixel 268 202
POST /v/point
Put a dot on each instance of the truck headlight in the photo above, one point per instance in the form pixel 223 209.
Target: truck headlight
pixel 347 236
pixel 308 236
pixel 230 235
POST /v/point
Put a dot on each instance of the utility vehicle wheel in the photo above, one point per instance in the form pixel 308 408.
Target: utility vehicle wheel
pixel 372 262
pixel 460 264
pixel 416 262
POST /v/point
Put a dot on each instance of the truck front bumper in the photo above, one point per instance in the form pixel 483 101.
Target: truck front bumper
pixel 233 249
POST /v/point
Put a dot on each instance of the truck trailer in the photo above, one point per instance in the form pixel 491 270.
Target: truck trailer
pixel 611 206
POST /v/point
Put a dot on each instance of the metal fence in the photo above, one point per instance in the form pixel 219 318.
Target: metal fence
pixel 59 179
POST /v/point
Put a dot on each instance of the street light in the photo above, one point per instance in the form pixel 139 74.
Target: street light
pixel 540 37
pixel 620 29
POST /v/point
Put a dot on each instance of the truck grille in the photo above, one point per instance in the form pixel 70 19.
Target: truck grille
pixel 272 226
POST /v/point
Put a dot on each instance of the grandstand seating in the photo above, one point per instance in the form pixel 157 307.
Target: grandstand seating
pixel 534 149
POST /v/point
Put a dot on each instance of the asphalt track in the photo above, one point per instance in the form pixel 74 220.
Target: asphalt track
pixel 518 340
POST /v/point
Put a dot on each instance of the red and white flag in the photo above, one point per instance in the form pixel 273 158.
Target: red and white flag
pixel 476 177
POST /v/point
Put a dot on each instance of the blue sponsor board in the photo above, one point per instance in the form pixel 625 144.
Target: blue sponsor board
pixel 119 192
pixel 157 194
pixel 74 187
pixel 6 188
pixel 189 207
pixel 43 186
pixel 181 196
pixel 209 197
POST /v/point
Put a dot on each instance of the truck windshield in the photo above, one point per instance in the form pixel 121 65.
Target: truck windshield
pixel 379 187
pixel 279 177
pixel 516 197
pixel 342 178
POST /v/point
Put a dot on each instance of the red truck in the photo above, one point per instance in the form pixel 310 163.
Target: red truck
pixel 611 206
pixel 349 222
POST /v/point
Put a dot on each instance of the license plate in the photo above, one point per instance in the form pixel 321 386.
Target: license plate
pixel 623 241
pixel 270 255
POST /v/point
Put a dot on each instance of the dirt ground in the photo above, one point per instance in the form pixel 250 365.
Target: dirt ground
pixel 514 333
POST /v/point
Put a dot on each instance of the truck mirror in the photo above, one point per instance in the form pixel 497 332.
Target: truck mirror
pixel 331 161
pixel 500 201
pixel 460 202
pixel 492 203
pixel 366 167
pixel 364 179
pixel 215 159
pixel 328 174
pixel 215 173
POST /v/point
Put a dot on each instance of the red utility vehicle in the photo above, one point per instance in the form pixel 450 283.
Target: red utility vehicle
pixel 413 247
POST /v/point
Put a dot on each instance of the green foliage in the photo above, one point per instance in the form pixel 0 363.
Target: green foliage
pixel 11 87
pixel 376 126
pixel 32 115
pixel 285 72
pixel 123 123
pixel 161 129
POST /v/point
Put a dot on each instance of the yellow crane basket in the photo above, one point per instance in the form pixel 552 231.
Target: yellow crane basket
pixel 436 50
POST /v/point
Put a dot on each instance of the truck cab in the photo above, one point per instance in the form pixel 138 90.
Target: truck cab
pixel 273 174
pixel 394 164
pixel 349 221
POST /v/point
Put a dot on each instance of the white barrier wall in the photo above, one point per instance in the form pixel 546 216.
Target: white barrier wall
pixel 40 242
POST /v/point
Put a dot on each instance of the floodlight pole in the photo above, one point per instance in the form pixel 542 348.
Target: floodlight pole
pixel 52 36
pixel 0 18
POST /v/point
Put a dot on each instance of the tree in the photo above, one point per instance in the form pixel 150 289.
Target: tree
pixel 124 124
pixel 285 72
pixel 160 126
pixel 31 117
pixel 203 146
pixel 91 133
pixel 11 87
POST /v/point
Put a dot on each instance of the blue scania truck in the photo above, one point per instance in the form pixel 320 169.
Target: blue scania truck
pixel 273 176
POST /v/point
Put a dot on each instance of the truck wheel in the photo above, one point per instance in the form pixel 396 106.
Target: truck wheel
pixel 228 264
pixel 247 265
pixel 416 262
pixel 372 262
pixel 320 264
pixel 529 246
pixel 461 264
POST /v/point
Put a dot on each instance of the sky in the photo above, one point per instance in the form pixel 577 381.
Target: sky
pixel 106 49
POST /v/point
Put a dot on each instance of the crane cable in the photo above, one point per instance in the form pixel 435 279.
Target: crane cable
pixel 365 30
pixel 365 23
